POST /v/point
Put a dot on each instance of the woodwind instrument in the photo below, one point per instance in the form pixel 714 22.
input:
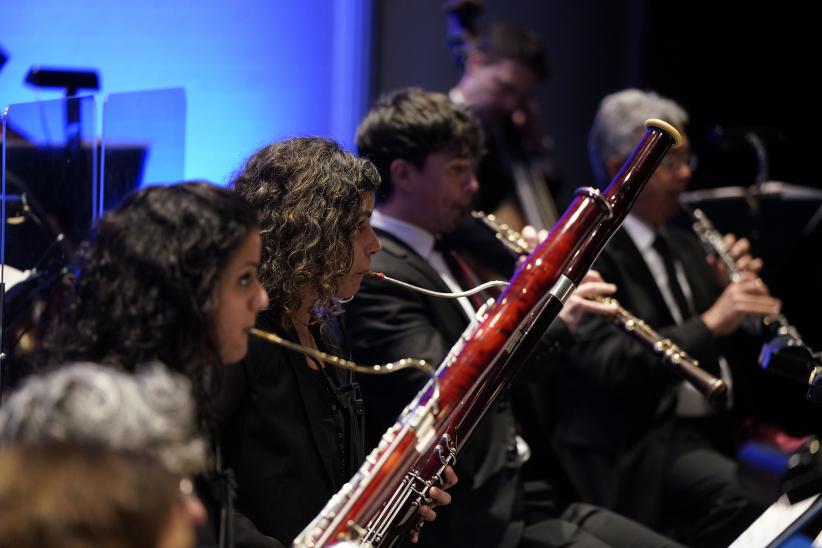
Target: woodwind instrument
pixel 378 369
pixel 714 243
pixel 380 504
pixel 712 388
pixel 784 352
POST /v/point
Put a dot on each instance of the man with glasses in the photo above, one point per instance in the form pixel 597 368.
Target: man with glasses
pixel 503 69
pixel 633 436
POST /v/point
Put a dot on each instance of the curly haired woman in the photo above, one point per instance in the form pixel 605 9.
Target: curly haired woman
pixel 293 428
pixel 169 276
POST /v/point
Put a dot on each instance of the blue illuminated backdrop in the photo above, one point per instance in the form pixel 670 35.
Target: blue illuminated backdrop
pixel 253 71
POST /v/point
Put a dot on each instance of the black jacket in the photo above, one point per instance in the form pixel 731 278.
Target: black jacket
pixel 292 435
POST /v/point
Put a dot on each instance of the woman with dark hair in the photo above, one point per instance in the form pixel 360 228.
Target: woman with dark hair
pixel 293 430
pixel 169 276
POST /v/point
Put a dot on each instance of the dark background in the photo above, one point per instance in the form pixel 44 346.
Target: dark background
pixel 728 64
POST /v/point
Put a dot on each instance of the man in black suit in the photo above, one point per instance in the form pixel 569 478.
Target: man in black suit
pixel 631 435
pixel 424 146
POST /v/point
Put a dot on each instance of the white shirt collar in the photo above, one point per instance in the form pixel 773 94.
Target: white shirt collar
pixel 418 239
pixel 640 232
pixel 422 242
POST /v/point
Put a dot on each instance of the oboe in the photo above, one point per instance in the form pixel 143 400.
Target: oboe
pixel 784 352
pixel 714 243
pixel 712 388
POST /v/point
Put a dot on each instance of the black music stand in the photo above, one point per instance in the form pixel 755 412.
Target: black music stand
pixel 72 81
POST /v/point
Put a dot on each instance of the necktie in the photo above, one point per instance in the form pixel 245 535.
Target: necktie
pixel 462 273
pixel 661 246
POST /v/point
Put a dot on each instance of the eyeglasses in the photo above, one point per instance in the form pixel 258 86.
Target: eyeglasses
pixel 674 161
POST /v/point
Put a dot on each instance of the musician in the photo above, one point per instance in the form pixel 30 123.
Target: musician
pixel 149 413
pixel 503 67
pixel 293 427
pixel 632 436
pixel 171 260
pixel 60 495
pixel 424 145
pixel 169 276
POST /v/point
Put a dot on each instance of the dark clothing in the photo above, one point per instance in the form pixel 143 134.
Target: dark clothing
pixel 617 435
pixel 211 490
pixel 293 435
pixel 586 526
pixel 490 504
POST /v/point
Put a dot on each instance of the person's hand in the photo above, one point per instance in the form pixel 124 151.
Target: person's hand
pixel 579 304
pixel 747 297
pixel 740 252
pixel 439 498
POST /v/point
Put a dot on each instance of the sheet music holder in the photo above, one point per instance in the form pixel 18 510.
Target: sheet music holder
pixel 768 189
pixel 774 215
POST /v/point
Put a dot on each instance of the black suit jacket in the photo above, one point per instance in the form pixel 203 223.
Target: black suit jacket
pixel 386 323
pixel 617 397
pixel 280 436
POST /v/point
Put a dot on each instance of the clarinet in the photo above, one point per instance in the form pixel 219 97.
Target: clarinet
pixel 784 352
pixel 712 388
pixel 380 504
pixel 714 244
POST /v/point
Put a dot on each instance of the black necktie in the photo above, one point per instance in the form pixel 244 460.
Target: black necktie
pixel 661 246
pixel 463 275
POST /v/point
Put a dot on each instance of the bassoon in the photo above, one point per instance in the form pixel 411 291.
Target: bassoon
pixel 380 504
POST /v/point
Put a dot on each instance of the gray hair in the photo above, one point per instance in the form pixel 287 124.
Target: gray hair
pixel 620 116
pixel 151 411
